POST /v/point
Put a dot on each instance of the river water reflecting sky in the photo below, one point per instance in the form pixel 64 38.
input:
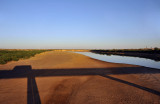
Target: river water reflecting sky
pixel 124 59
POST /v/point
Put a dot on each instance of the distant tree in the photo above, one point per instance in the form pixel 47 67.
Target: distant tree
pixel 156 49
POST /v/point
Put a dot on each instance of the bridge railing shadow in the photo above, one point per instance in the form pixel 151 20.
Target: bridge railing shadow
pixel 32 89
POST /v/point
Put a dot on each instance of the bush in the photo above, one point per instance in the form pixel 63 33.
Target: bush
pixel 15 55
pixel 156 49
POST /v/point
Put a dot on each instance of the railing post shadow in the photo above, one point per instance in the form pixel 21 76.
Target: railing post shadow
pixel 32 89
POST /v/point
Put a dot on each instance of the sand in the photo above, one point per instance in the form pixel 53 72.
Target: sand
pixel 71 78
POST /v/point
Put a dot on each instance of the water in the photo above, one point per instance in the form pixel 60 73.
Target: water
pixel 124 59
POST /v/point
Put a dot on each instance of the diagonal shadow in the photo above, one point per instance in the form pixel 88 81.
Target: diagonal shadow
pixel 32 89
pixel 134 85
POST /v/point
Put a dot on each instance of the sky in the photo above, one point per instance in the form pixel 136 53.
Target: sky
pixel 79 24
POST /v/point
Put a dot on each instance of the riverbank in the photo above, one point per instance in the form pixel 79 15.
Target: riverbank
pixel 71 78
pixel 148 54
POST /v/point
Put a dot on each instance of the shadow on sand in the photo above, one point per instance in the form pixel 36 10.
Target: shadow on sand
pixel 32 89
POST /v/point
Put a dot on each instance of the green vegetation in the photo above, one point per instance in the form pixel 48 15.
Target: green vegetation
pixel 15 55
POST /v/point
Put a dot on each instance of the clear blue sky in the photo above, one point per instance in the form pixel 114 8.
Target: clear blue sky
pixel 79 24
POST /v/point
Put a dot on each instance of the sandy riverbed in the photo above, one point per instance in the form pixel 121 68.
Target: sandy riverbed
pixel 71 78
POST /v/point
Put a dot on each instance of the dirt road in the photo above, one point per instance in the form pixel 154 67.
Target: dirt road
pixel 71 78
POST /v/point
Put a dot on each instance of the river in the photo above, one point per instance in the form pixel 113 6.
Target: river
pixel 124 59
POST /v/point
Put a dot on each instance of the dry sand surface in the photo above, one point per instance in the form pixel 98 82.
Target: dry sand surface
pixel 71 78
